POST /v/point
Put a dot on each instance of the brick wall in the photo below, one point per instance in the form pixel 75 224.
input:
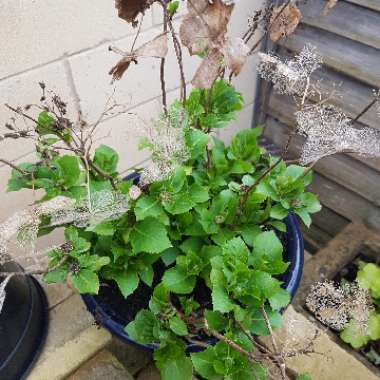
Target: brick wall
pixel 65 44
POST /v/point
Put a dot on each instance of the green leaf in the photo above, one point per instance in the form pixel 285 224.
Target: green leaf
pixel 197 141
pixel 244 145
pixel 127 282
pixel 173 7
pixel 216 320
pixel 259 327
pixel 267 253
pixel 280 299
pixel 304 376
pixel 103 229
pixel 178 326
pixel 93 262
pixel 304 215
pixel 176 280
pixel 69 170
pixel 147 274
pixel 374 326
pixel 220 299
pixel 353 334
pixel 278 212
pixel 56 276
pixel 149 235
pixel 172 362
pixel 141 330
pixel 148 206
pixel 237 248
pixel 368 277
pixel 45 120
pixel 106 159
pixel 203 363
pixel 169 255
pixel 86 282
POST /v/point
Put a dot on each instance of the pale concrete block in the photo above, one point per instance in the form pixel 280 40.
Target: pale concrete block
pixel 36 32
pixel 139 84
pixel 243 121
pixel 24 89
pixel 59 362
pixel 124 132
pixel 329 360
pixel 103 366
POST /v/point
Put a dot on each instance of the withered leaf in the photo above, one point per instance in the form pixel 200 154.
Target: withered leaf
pixel 329 5
pixel 129 9
pixel 205 25
pixel 156 48
pixel 235 53
pixel 284 21
pixel 209 69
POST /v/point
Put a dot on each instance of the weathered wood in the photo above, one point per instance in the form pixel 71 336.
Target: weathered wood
pixel 282 108
pixel 315 238
pixel 345 19
pixel 372 4
pixel 342 54
pixel 345 202
pixel 346 93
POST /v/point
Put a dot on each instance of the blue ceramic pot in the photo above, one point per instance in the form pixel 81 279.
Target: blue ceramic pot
pixel 294 253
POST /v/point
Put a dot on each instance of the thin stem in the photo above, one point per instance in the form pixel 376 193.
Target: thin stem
pixel 162 70
pixel 6 162
pixel 269 27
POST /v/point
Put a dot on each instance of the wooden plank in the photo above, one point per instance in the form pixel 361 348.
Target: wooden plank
pixel 329 221
pixel 371 4
pixel 346 93
pixel 282 108
pixel 344 55
pixel 363 25
pixel 345 202
pixel 339 168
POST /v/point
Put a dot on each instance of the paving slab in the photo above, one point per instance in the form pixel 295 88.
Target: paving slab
pixel 103 366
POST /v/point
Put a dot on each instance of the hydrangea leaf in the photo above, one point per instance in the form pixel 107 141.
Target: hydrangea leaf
pixel 149 235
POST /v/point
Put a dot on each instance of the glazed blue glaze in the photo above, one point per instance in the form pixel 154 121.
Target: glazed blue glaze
pixel 294 254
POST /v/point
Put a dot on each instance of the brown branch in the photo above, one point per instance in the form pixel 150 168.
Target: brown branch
pixel 261 39
pixel 13 166
pixel 102 173
pixel 21 113
pixel 162 69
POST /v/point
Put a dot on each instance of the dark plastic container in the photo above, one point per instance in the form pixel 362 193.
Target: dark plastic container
pixel 23 325
pixel 294 253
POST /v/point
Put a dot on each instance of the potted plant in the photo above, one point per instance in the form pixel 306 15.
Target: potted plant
pixel 196 255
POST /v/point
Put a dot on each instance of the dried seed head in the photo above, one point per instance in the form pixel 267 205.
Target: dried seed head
pixel 290 77
pixel 328 131
pixel 335 306
pixel 134 192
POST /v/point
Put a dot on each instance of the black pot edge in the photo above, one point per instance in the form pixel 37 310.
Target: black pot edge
pixel 39 306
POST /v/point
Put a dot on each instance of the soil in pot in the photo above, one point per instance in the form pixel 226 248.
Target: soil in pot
pixel 126 309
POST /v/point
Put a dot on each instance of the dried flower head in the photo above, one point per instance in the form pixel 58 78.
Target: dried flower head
pixel 335 305
pixel 328 131
pixel 290 77
pixel 166 140
pixel 134 192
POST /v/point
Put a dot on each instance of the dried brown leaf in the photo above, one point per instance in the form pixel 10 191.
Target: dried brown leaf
pixel 209 70
pixel 284 21
pixel 329 5
pixel 235 53
pixel 129 9
pixel 156 48
pixel 205 25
